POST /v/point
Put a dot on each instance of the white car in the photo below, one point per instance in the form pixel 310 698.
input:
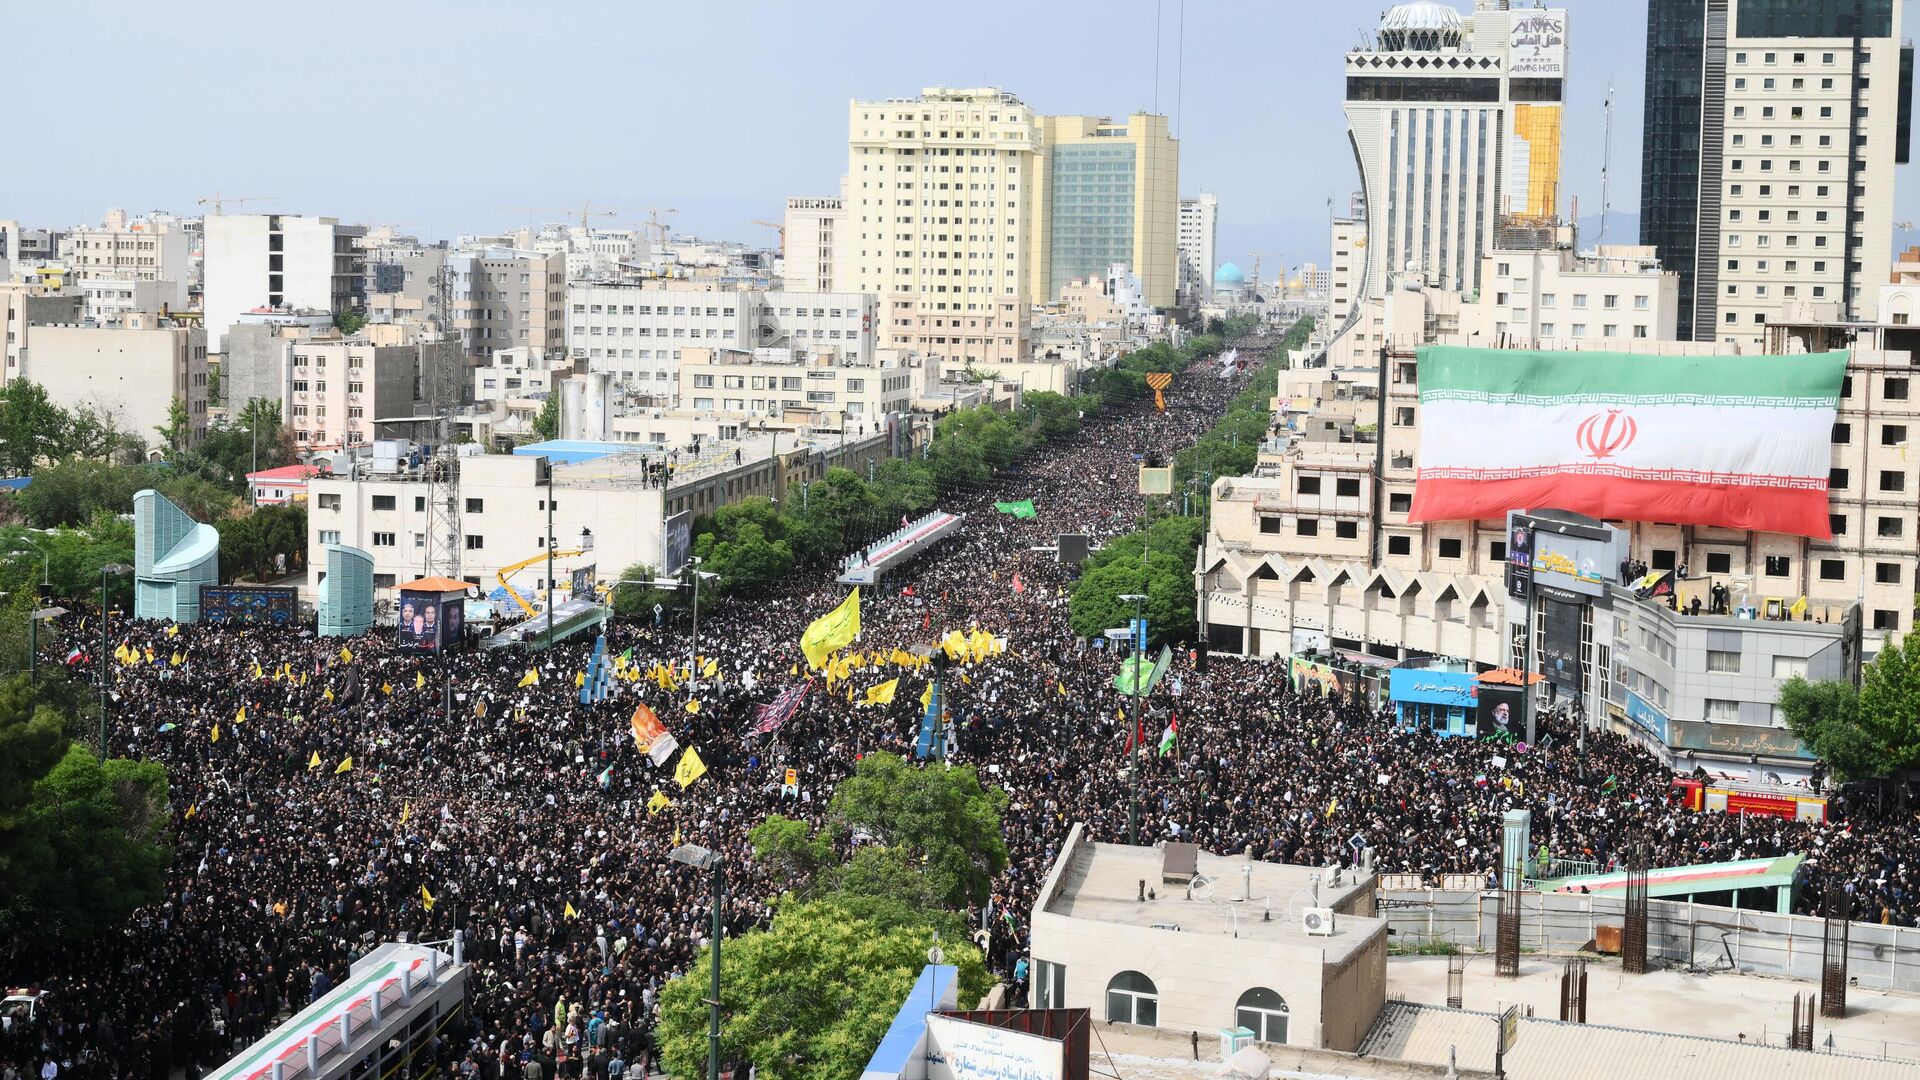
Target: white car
pixel 20 1009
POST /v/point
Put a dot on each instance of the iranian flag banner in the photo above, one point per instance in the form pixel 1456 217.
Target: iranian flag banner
pixel 1740 442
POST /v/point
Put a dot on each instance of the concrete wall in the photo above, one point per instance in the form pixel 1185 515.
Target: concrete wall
pixel 1678 933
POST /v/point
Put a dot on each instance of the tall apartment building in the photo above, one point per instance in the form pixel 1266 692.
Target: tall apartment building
pixel 130 371
pixel 1106 192
pixel 793 385
pixel 940 203
pixel 279 261
pixel 813 244
pixel 637 332
pixel 155 249
pixel 1771 132
pixel 1347 273
pixel 1455 124
pixel 336 389
pixel 1199 241
pixel 505 298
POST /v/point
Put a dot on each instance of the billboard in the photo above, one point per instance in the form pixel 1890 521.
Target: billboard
pixel 430 620
pixel 1314 679
pixel 1500 712
pixel 1537 44
pixel 1519 558
pixel 1560 644
pixel 581 581
pixel 676 543
pixel 263 605
pixel 1616 436
pixel 964 1050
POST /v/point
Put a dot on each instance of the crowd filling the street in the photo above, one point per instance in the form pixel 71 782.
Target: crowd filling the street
pixel 330 794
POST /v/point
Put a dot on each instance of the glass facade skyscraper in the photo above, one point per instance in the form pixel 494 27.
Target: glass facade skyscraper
pixel 1670 141
pixel 1093 211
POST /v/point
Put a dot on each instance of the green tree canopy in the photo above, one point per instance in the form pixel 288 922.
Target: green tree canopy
pixel 1156 562
pixel 1874 731
pixel 637 601
pixel 546 425
pixel 807 998
pixel 35 427
pixel 1825 716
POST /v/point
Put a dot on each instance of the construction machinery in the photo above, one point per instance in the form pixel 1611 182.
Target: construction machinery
pixel 219 200
pixel 586 210
pixel 779 229
pixel 507 572
pixel 657 229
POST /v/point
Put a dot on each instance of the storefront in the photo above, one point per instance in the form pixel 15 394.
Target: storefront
pixel 1437 701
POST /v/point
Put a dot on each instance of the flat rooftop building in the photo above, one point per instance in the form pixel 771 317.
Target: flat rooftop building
pixel 1177 938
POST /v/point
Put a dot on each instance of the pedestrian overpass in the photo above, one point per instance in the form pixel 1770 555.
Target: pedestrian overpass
pixel 865 566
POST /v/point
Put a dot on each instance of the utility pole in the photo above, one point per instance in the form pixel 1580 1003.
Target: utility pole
pixel 1137 633
pixel 549 554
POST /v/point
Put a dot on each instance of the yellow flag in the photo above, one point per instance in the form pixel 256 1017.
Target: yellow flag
pixel 1799 608
pixel 1332 805
pixel 426 898
pixel 882 694
pixel 1062 687
pixel 712 667
pixel 579 679
pixel 241 716
pixel 195 808
pixel 346 654
pixel 966 678
pixel 173 630
pixel 346 765
pixel 419 681
pixel 676 836
pixel 693 706
pixel 689 769
pixel 406 811
pixel 303 678
pixel 531 678
pixel 926 697
pixel 327 694
pixel 386 688
pixel 257 673
pixel 215 737
pixel 794 670
pixel 834 630
pixel 177 658
pixel 149 653
pixel 314 761
pixel 570 913
pixel 657 803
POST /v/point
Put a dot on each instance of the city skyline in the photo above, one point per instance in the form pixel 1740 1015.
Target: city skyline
pixel 1256 94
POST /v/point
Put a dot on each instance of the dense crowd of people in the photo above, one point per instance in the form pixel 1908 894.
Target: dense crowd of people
pixel 525 815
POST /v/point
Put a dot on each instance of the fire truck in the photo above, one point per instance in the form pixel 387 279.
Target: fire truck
pixel 1741 797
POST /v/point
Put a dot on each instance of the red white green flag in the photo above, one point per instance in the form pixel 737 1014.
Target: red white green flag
pixel 1740 442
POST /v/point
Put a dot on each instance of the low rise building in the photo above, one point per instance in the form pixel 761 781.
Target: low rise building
pixel 154 251
pixel 129 372
pixel 1178 938
pixel 814 241
pixel 278 262
pixel 25 305
pixel 505 297
pixel 819 390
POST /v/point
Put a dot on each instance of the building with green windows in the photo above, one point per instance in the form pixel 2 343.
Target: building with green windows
pixel 1107 192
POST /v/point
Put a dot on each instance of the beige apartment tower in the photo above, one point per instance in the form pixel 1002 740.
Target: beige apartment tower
pixel 1107 192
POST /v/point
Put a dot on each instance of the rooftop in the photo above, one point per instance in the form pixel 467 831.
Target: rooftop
pixel 1103 883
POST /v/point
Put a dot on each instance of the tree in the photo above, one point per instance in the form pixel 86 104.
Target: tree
pixel 637 601
pixel 838 512
pixel 944 818
pixel 179 426
pixel 349 322
pixel 79 838
pixel 547 424
pixel 1825 715
pixel 1890 704
pixel 1156 562
pixel 34 427
pixel 807 998
pixel 1054 416
pixel 750 560
pixel 903 487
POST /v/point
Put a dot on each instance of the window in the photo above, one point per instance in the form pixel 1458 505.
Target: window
pixel 329 536
pixel 1722 712
pixel 1837 478
pixel 1893 480
pixel 1308 485
pixel 1786 667
pixel 476 506
pixel 1497 551
pixel 1306 527
pixel 1886 620
pixel 1896 389
pixel 1779 565
pixel 1132 999
pixel 476 543
pixel 1721 660
pixel 1270 525
pixel 383 539
pixel 1893 434
pixel 1886 573
pixel 1399 545
pixel 1833 570
pixel 1400 502
pixel 1719 562
pixel 1264 1013
pixel 330 502
pixel 1346 530
pixel 1843 433
pixel 1403 416
pixel 1890 528
pixel 1450 548
pixel 1049 984
pixel 383 502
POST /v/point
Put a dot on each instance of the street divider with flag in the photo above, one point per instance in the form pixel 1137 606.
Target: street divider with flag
pixel 1738 442
pixel 833 631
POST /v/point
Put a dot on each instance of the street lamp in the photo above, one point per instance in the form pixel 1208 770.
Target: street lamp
pixel 1139 652
pixel 112 569
pixel 693 649
pixel 701 858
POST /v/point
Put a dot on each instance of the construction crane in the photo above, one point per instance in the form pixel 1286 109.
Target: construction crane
pixel 506 572
pixel 659 228
pixel 586 211
pixel 777 227
pixel 220 199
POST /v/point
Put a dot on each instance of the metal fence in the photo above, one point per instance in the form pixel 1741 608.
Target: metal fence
pixel 1698 937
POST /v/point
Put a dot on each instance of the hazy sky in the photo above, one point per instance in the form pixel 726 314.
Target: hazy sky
pixel 459 117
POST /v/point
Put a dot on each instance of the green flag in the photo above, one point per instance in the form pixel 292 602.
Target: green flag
pixel 1022 509
pixel 1137 669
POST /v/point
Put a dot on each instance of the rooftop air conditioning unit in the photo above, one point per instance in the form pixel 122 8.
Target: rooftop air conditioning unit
pixel 1317 922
